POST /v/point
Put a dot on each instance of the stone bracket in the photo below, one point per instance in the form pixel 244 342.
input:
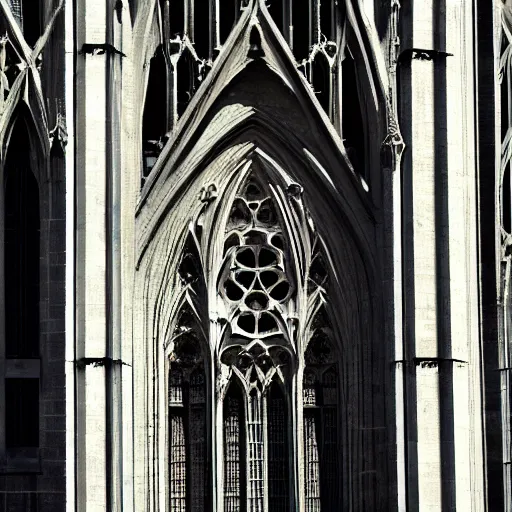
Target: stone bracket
pixel 98 361
pixel 428 362
pixel 100 49
pixel 421 54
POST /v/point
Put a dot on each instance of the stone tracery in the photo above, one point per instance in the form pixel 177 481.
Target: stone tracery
pixel 255 282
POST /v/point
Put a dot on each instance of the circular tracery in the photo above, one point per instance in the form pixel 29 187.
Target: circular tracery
pixel 256 280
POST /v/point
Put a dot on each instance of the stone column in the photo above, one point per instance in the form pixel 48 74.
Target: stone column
pixel 441 352
pixel 98 355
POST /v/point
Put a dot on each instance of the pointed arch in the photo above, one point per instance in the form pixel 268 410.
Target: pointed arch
pixel 228 129
pixel 328 18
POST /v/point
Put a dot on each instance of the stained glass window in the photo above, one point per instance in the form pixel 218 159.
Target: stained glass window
pixel 234 451
pixel 188 462
pixel 278 454
pixel 320 401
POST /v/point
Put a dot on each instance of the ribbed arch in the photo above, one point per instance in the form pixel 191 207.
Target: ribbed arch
pixel 154 119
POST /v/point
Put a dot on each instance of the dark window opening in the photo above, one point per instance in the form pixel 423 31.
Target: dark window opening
pixel 198 466
pixel 506 190
pixel 255 49
pixel 234 450
pixel 202 30
pixel 321 81
pixel 21 414
pixel 31 12
pixel 276 10
pixel 327 18
pixel 505 105
pixel 228 15
pixel 184 81
pixel 176 18
pixel 21 249
pixel 352 122
pixel 154 119
pixel 301 28
pixel 278 455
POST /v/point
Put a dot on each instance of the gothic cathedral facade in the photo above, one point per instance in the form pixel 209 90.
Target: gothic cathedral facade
pixel 256 255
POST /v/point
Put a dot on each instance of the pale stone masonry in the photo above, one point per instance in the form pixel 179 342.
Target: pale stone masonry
pixel 255 255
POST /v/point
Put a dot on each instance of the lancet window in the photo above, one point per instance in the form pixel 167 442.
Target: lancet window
pixel 188 466
pixel 256 287
pixel 320 399
pixel 234 450
pixel 278 449
pixel 19 341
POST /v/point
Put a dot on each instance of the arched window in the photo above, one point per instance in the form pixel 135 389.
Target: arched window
pixel 320 402
pixel 234 450
pixel 352 130
pixel 155 117
pixel 21 247
pixel 178 447
pixel 265 309
pixel 176 12
pixel 278 450
pixel 321 81
pixel 188 467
